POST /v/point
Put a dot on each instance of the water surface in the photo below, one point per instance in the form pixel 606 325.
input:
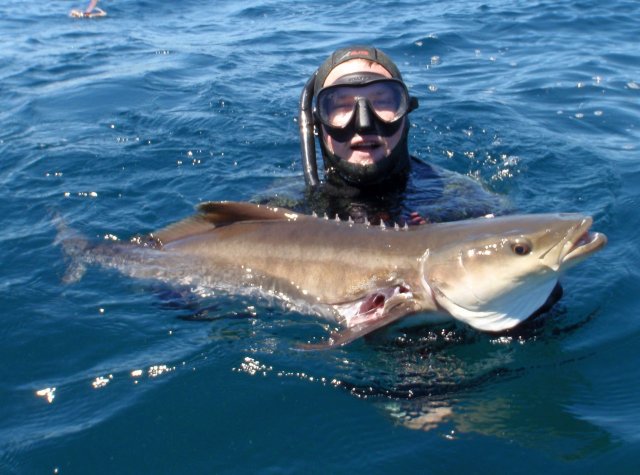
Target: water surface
pixel 121 125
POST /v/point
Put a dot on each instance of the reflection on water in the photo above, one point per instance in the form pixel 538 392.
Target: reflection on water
pixel 453 381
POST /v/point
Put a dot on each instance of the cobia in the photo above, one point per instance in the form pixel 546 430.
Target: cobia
pixel 490 273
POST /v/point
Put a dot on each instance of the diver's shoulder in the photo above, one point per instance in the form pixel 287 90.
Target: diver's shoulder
pixel 425 170
pixel 422 167
pixel 441 194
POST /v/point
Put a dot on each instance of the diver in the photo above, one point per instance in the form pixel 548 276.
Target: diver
pixel 357 104
pixel 92 11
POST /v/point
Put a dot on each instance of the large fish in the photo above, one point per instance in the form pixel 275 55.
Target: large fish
pixel 490 273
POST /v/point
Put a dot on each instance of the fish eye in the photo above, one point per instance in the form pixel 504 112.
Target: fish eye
pixel 521 248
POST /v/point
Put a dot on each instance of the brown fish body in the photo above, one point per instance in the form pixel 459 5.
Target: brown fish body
pixel 491 273
pixel 325 261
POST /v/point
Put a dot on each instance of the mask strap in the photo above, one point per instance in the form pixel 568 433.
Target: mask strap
pixel 413 104
pixel 307 139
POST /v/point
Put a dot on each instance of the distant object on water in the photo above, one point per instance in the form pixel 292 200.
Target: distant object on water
pixel 92 11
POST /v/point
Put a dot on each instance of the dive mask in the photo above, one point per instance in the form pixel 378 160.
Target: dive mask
pixel 358 102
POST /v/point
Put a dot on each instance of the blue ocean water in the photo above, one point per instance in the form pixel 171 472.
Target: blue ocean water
pixel 121 125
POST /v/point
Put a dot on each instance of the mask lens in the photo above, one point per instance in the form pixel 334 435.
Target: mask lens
pixel 388 99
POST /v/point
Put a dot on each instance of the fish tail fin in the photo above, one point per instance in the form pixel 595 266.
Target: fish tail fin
pixel 75 248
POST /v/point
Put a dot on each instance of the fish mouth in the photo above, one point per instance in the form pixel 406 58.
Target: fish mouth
pixel 582 242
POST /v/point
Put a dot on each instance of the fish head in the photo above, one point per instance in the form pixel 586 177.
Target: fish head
pixel 498 271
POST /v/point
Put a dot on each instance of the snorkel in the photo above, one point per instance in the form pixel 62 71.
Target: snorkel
pixel 338 169
pixel 307 138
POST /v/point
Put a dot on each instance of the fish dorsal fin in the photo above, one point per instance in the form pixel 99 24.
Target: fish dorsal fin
pixel 220 213
pixel 187 227
pixel 214 214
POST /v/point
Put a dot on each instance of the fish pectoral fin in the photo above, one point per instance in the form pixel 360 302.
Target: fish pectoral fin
pixel 215 214
pixel 394 309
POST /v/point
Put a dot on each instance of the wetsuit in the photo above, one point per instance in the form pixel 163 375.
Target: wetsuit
pixel 436 194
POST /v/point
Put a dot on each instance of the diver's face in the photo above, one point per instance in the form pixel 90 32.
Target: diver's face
pixel 361 148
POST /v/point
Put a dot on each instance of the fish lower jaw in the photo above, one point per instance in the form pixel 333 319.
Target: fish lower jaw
pixel 585 244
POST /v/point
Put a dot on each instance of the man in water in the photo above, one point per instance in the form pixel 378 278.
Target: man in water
pixel 358 105
pixel 92 11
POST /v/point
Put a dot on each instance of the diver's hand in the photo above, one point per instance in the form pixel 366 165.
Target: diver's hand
pixel 416 219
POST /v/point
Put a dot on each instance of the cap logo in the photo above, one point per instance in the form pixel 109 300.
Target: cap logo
pixel 354 52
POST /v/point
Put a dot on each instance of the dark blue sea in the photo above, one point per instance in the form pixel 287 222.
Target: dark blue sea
pixel 122 125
